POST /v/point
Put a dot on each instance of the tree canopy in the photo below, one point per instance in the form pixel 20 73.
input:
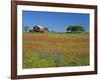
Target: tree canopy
pixel 75 29
pixel 26 28
pixel 46 28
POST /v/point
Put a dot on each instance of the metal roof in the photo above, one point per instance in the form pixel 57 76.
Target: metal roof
pixel 40 26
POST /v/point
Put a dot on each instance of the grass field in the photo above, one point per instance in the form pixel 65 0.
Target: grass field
pixel 55 50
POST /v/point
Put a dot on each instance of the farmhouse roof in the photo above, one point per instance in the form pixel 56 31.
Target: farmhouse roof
pixel 40 26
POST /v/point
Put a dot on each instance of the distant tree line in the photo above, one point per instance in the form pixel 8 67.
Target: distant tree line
pixel 69 29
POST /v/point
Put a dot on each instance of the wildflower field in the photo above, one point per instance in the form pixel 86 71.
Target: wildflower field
pixel 55 49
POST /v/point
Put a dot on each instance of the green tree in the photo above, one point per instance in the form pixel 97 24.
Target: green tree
pixel 75 29
pixel 46 28
pixel 52 31
pixel 26 28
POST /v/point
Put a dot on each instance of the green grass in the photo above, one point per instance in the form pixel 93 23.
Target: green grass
pixel 60 35
pixel 53 60
pixel 54 52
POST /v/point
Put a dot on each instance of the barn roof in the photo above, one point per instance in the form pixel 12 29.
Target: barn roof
pixel 40 26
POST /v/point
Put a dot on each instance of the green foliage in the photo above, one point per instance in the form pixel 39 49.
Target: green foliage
pixel 37 60
pixel 40 60
pixel 26 28
pixel 75 29
pixel 52 31
pixel 46 28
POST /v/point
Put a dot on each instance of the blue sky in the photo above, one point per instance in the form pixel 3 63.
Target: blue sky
pixel 55 21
